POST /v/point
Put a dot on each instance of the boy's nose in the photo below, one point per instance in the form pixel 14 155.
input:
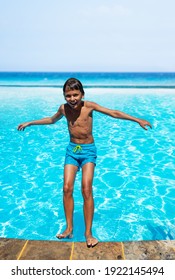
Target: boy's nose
pixel 72 98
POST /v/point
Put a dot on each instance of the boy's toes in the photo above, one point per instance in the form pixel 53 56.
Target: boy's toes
pixel 91 241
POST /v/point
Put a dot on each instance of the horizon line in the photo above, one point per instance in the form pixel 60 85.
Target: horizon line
pixel 30 71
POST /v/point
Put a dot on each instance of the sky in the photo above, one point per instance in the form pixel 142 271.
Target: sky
pixel 89 36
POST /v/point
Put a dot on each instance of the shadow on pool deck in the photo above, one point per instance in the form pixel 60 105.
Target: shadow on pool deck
pixel 17 249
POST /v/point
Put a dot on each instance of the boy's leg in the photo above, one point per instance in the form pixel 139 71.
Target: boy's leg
pixel 87 180
pixel 69 178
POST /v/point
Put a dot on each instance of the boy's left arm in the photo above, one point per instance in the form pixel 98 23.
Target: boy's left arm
pixel 119 115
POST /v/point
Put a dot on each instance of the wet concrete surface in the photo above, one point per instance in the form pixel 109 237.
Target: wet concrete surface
pixel 16 249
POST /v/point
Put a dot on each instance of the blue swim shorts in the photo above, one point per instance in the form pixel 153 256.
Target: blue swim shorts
pixel 79 155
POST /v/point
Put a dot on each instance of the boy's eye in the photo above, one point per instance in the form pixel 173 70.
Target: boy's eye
pixel 70 95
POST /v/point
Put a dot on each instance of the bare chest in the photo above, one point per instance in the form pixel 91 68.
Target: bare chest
pixel 78 118
pixel 82 120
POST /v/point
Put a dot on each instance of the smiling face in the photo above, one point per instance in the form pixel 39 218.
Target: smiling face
pixel 73 98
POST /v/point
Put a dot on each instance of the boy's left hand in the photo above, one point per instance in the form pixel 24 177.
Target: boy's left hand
pixel 143 124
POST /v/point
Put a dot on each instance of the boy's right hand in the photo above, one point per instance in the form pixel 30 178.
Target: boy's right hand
pixel 23 126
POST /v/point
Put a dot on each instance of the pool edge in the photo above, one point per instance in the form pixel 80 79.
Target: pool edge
pixel 21 249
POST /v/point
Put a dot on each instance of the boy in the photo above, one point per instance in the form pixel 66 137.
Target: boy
pixel 81 151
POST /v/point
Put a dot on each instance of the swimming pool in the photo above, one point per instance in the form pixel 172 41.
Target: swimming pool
pixel 134 178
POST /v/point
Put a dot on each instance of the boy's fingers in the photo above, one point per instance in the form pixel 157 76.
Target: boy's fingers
pixel 20 127
pixel 149 126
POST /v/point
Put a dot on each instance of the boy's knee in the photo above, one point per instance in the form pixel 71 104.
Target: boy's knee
pixel 68 189
pixel 87 192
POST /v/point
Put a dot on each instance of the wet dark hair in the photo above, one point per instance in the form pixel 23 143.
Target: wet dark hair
pixel 73 84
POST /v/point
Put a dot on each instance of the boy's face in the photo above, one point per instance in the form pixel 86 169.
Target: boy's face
pixel 73 98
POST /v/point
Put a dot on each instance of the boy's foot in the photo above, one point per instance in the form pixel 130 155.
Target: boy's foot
pixel 91 241
pixel 65 234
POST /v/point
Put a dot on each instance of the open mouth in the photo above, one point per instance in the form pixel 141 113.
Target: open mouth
pixel 73 104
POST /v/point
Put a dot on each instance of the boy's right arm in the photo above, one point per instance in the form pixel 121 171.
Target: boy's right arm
pixel 44 121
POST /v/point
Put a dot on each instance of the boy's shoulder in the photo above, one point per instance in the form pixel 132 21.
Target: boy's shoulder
pixel 61 108
pixel 89 104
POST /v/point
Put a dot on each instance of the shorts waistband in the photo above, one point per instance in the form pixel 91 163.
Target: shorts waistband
pixel 82 145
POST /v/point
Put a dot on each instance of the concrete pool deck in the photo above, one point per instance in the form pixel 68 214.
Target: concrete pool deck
pixel 18 249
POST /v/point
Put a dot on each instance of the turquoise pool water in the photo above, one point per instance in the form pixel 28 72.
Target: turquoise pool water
pixel 134 183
